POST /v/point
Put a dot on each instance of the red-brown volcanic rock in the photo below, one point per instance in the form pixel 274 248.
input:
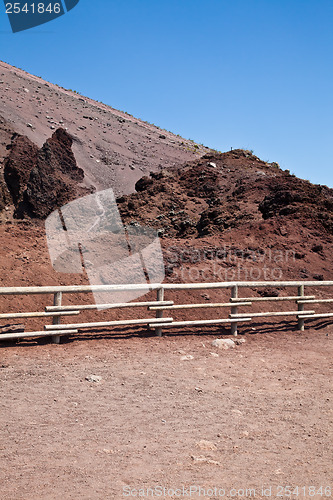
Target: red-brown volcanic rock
pixel 223 192
pixel 230 216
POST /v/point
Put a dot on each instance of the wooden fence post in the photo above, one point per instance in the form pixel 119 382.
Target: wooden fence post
pixel 56 319
pixel 234 310
pixel 300 322
pixel 159 314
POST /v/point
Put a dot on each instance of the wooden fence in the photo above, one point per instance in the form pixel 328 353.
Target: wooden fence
pixel 160 306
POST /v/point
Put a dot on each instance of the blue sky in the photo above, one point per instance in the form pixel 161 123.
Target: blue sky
pixel 254 74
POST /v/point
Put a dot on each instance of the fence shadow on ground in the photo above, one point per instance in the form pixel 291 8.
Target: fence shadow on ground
pixel 257 328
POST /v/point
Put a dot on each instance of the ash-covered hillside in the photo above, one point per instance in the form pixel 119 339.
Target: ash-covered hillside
pixel 112 147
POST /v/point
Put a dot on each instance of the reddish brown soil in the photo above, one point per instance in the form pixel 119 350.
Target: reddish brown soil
pixel 258 415
pixel 24 261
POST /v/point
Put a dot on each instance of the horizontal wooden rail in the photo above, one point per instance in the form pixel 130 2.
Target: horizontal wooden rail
pixel 263 314
pixel 198 306
pixel 42 290
pixel 198 322
pixel 93 307
pixel 100 324
pixel 9 336
pixel 37 315
pixel 272 299
pixel 155 286
pixel 319 315
pixel 243 284
pixel 316 301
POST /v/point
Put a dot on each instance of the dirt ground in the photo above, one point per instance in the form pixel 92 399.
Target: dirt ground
pixel 171 412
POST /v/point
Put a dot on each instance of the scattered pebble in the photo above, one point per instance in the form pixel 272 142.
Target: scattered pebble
pixel 239 341
pixel 94 378
pixel 187 357
pixel 206 445
pixel 205 460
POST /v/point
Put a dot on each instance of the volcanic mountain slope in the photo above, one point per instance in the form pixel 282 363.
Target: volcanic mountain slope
pixel 226 217
pixel 113 149
pixel 232 204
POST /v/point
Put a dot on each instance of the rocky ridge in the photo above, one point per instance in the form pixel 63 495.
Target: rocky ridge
pixel 222 192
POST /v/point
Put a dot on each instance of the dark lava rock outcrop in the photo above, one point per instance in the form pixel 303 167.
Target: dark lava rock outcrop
pixel 301 199
pixel 20 162
pixel 41 180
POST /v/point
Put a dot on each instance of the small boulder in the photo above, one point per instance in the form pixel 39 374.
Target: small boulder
pixel 223 343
